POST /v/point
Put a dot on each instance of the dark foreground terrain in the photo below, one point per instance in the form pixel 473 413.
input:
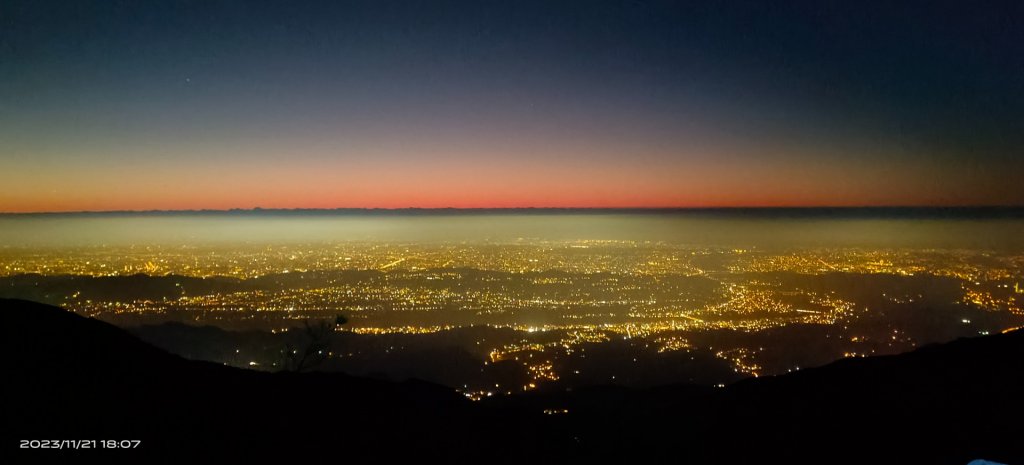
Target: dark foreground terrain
pixel 76 378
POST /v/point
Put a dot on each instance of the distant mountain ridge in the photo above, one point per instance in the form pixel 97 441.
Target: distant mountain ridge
pixel 979 211
pixel 79 378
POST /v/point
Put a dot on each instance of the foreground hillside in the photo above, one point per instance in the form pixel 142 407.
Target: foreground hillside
pixel 78 378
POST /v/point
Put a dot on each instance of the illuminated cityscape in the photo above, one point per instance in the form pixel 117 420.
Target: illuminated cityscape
pixel 544 306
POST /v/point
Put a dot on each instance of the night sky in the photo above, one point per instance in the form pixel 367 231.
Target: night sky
pixel 137 105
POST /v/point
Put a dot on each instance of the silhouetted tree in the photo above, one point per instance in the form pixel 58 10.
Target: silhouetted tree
pixel 315 345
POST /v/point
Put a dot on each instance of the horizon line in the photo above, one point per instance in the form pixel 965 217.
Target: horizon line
pixel 639 209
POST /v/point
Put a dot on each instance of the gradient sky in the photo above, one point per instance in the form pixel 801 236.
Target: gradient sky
pixel 132 105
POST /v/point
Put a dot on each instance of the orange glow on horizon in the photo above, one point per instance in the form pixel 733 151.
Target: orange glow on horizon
pixel 85 205
pixel 461 181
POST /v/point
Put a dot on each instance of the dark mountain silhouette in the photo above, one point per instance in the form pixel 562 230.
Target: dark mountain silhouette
pixel 79 378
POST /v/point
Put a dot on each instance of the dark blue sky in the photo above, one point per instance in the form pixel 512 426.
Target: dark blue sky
pixel 218 104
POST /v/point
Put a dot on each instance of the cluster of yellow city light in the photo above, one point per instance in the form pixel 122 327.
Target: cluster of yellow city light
pixel 588 292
